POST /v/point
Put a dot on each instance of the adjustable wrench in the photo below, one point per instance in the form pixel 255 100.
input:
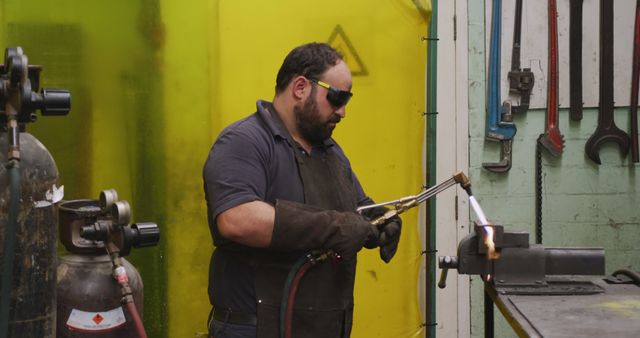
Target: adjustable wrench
pixel 606 131
pixel 552 140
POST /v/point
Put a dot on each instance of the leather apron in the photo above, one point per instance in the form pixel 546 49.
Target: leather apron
pixel 324 301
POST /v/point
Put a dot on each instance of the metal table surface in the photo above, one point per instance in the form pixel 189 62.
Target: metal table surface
pixel 613 313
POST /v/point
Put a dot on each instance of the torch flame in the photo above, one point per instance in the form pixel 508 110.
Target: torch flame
pixel 488 241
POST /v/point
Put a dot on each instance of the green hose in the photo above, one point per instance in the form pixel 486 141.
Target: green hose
pixel 285 291
pixel 13 171
pixel 431 137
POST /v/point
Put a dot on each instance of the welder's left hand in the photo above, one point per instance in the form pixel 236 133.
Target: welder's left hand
pixel 389 238
pixel 389 232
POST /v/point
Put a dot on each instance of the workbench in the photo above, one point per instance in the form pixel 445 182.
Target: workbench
pixel 613 312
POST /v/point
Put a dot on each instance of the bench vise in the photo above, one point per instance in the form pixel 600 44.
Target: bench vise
pixel 521 267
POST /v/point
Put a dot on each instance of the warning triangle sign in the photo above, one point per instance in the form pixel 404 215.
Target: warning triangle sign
pixel 342 44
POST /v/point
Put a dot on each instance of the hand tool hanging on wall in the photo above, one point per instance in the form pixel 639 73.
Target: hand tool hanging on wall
pixel 575 59
pixel 635 75
pixel 505 145
pixel 606 131
pixel 520 80
pixel 500 125
pixel 552 140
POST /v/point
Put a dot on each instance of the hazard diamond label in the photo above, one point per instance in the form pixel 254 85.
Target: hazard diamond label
pixel 97 318
pixel 96 321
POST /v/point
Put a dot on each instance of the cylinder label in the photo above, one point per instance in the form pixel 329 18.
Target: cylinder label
pixel 96 321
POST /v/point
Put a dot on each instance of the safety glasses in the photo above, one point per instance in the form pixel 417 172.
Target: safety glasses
pixel 335 96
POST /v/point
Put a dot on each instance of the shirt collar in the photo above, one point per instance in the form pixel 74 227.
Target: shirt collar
pixel 275 124
pixel 271 118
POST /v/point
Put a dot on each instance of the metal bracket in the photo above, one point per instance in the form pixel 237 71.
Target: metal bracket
pixel 521 82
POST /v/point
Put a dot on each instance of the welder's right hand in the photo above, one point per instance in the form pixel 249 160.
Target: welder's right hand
pixel 302 227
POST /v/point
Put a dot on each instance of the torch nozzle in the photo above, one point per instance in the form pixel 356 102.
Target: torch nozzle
pixel 464 182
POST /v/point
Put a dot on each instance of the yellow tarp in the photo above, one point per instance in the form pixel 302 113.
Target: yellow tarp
pixel 382 133
pixel 155 81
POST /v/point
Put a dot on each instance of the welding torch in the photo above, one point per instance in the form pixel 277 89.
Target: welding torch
pixel 405 203
pixel 304 263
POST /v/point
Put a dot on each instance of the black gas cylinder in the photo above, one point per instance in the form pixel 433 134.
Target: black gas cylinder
pixel 32 304
pixel 89 298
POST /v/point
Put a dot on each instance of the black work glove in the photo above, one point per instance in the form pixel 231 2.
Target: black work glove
pixel 302 227
pixel 389 238
pixel 389 232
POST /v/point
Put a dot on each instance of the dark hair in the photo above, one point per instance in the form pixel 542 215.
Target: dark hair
pixel 309 60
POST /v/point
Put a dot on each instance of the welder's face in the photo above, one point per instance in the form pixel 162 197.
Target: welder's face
pixel 312 125
pixel 317 116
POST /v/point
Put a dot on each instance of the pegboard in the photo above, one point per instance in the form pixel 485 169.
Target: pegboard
pixel 534 49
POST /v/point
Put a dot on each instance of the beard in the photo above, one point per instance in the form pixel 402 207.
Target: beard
pixel 311 125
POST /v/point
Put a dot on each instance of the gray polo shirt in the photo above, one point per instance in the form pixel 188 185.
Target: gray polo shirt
pixel 252 160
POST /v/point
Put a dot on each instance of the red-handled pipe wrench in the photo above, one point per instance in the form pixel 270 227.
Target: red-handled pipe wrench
pixel 552 140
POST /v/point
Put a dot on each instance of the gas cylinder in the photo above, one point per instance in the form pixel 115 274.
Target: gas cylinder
pixel 90 299
pixel 28 178
pixel 34 276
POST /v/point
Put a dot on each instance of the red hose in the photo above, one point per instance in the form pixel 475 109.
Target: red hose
pixel 288 319
pixel 120 275
pixel 133 311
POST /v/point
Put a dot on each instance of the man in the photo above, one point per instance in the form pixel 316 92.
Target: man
pixel 278 187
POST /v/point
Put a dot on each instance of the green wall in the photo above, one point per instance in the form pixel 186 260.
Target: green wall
pixel 584 204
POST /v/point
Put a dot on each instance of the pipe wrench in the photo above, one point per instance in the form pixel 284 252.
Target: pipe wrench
pixel 506 145
pixel 521 80
pixel 552 140
pixel 499 126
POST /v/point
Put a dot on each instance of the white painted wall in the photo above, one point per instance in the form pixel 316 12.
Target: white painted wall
pixel 452 303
